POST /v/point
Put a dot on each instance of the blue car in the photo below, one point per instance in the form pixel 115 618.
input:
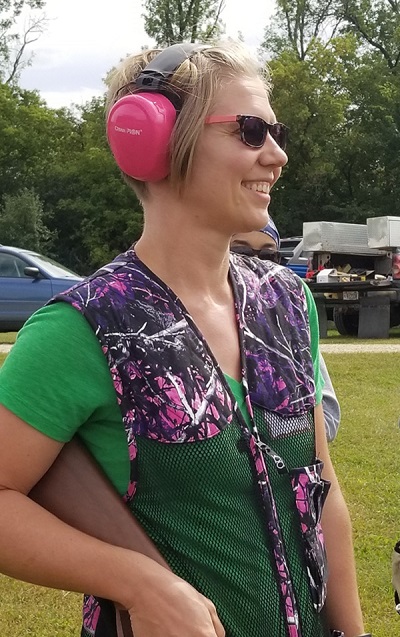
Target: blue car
pixel 27 281
pixel 298 260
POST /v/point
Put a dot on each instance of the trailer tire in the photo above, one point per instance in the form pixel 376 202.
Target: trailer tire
pixel 394 316
pixel 346 321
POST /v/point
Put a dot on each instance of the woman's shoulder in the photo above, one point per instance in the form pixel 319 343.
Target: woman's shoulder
pixel 58 322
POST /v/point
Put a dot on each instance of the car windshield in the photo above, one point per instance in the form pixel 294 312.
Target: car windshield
pixel 52 267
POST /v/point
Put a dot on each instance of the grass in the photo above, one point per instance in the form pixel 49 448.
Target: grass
pixel 37 612
pixel 8 337
pixel 366 456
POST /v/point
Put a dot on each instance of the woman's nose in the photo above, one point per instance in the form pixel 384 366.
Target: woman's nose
pixel 272 153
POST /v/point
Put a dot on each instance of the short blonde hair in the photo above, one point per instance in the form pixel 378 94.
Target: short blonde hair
pixel 196 82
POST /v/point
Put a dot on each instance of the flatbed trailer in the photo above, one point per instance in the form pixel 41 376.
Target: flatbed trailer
pixel 365 305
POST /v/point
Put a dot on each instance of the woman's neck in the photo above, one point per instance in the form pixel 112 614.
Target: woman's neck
pixel 186 265
pixel 186 255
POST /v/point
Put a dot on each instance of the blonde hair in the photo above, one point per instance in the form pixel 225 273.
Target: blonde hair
pixel 196 82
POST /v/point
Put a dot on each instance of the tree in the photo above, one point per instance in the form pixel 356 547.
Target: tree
pixel 22 221
pixel 94 213
pixel 171 21
pixel 17 61
pixel 12 46
pixel 298 23
pixel 63 156
pixel 377 25
pixel 311 96
pixel 340 96
pixel 33 138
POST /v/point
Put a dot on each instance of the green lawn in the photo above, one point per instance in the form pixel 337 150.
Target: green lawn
pixel 8 337
pixel 27 610
pixel 366 456
pixel 367 460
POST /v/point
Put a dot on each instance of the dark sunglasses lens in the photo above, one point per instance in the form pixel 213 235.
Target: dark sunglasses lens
pixel 269 255
pixel 245 250
pixel 254 131
pixel 278 133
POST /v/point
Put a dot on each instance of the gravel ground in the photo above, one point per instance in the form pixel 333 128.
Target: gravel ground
pixel 353 348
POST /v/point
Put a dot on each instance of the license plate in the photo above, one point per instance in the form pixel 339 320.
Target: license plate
pixel 350 295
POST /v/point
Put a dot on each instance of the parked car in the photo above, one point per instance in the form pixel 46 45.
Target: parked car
pixel 27 281
pixel 299 260
pixel 287 247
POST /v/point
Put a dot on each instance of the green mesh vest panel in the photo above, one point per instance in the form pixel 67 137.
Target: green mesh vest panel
pixel 213 536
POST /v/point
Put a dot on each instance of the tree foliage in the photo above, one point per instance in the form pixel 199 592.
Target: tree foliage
pixel 377 25
pixel 22 221
pixel 298 23
pixel 339 93
pixel 171 21
pixel 64 158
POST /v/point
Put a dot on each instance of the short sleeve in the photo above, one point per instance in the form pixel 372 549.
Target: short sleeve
pixel 56 376
pixel 314 337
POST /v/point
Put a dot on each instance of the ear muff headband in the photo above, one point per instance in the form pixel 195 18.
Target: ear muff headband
pixel 155 76
pixel 139 125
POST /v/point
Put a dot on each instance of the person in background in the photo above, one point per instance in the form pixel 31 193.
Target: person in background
pixel 265 244
pixel 191 374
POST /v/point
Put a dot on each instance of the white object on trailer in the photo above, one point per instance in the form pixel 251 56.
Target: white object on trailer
pixel 383 232
pixel 328 275
pixel 340 238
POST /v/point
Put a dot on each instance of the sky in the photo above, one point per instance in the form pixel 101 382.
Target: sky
pixel 83 41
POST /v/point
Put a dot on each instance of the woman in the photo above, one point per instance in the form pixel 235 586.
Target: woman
pixel 188 348
pixel 265 244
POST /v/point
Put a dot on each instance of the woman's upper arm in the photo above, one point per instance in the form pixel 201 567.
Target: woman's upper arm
pixel 48 389
pixel 321 447
pixel 25 453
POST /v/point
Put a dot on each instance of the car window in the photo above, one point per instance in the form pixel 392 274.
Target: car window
pixel 12 266
pixel 52 267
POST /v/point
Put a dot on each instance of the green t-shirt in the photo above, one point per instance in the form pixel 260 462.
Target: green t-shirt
pixel 56 379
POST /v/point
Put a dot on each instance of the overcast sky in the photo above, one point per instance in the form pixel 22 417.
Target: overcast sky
pixel 83 41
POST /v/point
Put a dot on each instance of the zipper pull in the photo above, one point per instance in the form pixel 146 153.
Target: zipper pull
pixel 266 449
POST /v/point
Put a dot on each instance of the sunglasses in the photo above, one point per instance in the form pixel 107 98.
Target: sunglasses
pixel 266 254
pixel 253 129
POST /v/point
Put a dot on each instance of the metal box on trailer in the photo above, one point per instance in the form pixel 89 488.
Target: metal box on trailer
pixel 383 232
pixel 343 238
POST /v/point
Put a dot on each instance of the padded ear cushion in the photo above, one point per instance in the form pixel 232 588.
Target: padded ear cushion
pixel 139 129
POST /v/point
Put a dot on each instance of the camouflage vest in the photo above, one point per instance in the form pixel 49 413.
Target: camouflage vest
pixel 182 424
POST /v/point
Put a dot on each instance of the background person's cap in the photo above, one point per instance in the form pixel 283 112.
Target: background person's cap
pixel 272 231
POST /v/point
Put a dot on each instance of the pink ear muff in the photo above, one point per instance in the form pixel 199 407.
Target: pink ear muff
pixel 139 129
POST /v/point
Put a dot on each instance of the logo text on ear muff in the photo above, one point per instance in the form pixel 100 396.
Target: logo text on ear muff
pixel 130 131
